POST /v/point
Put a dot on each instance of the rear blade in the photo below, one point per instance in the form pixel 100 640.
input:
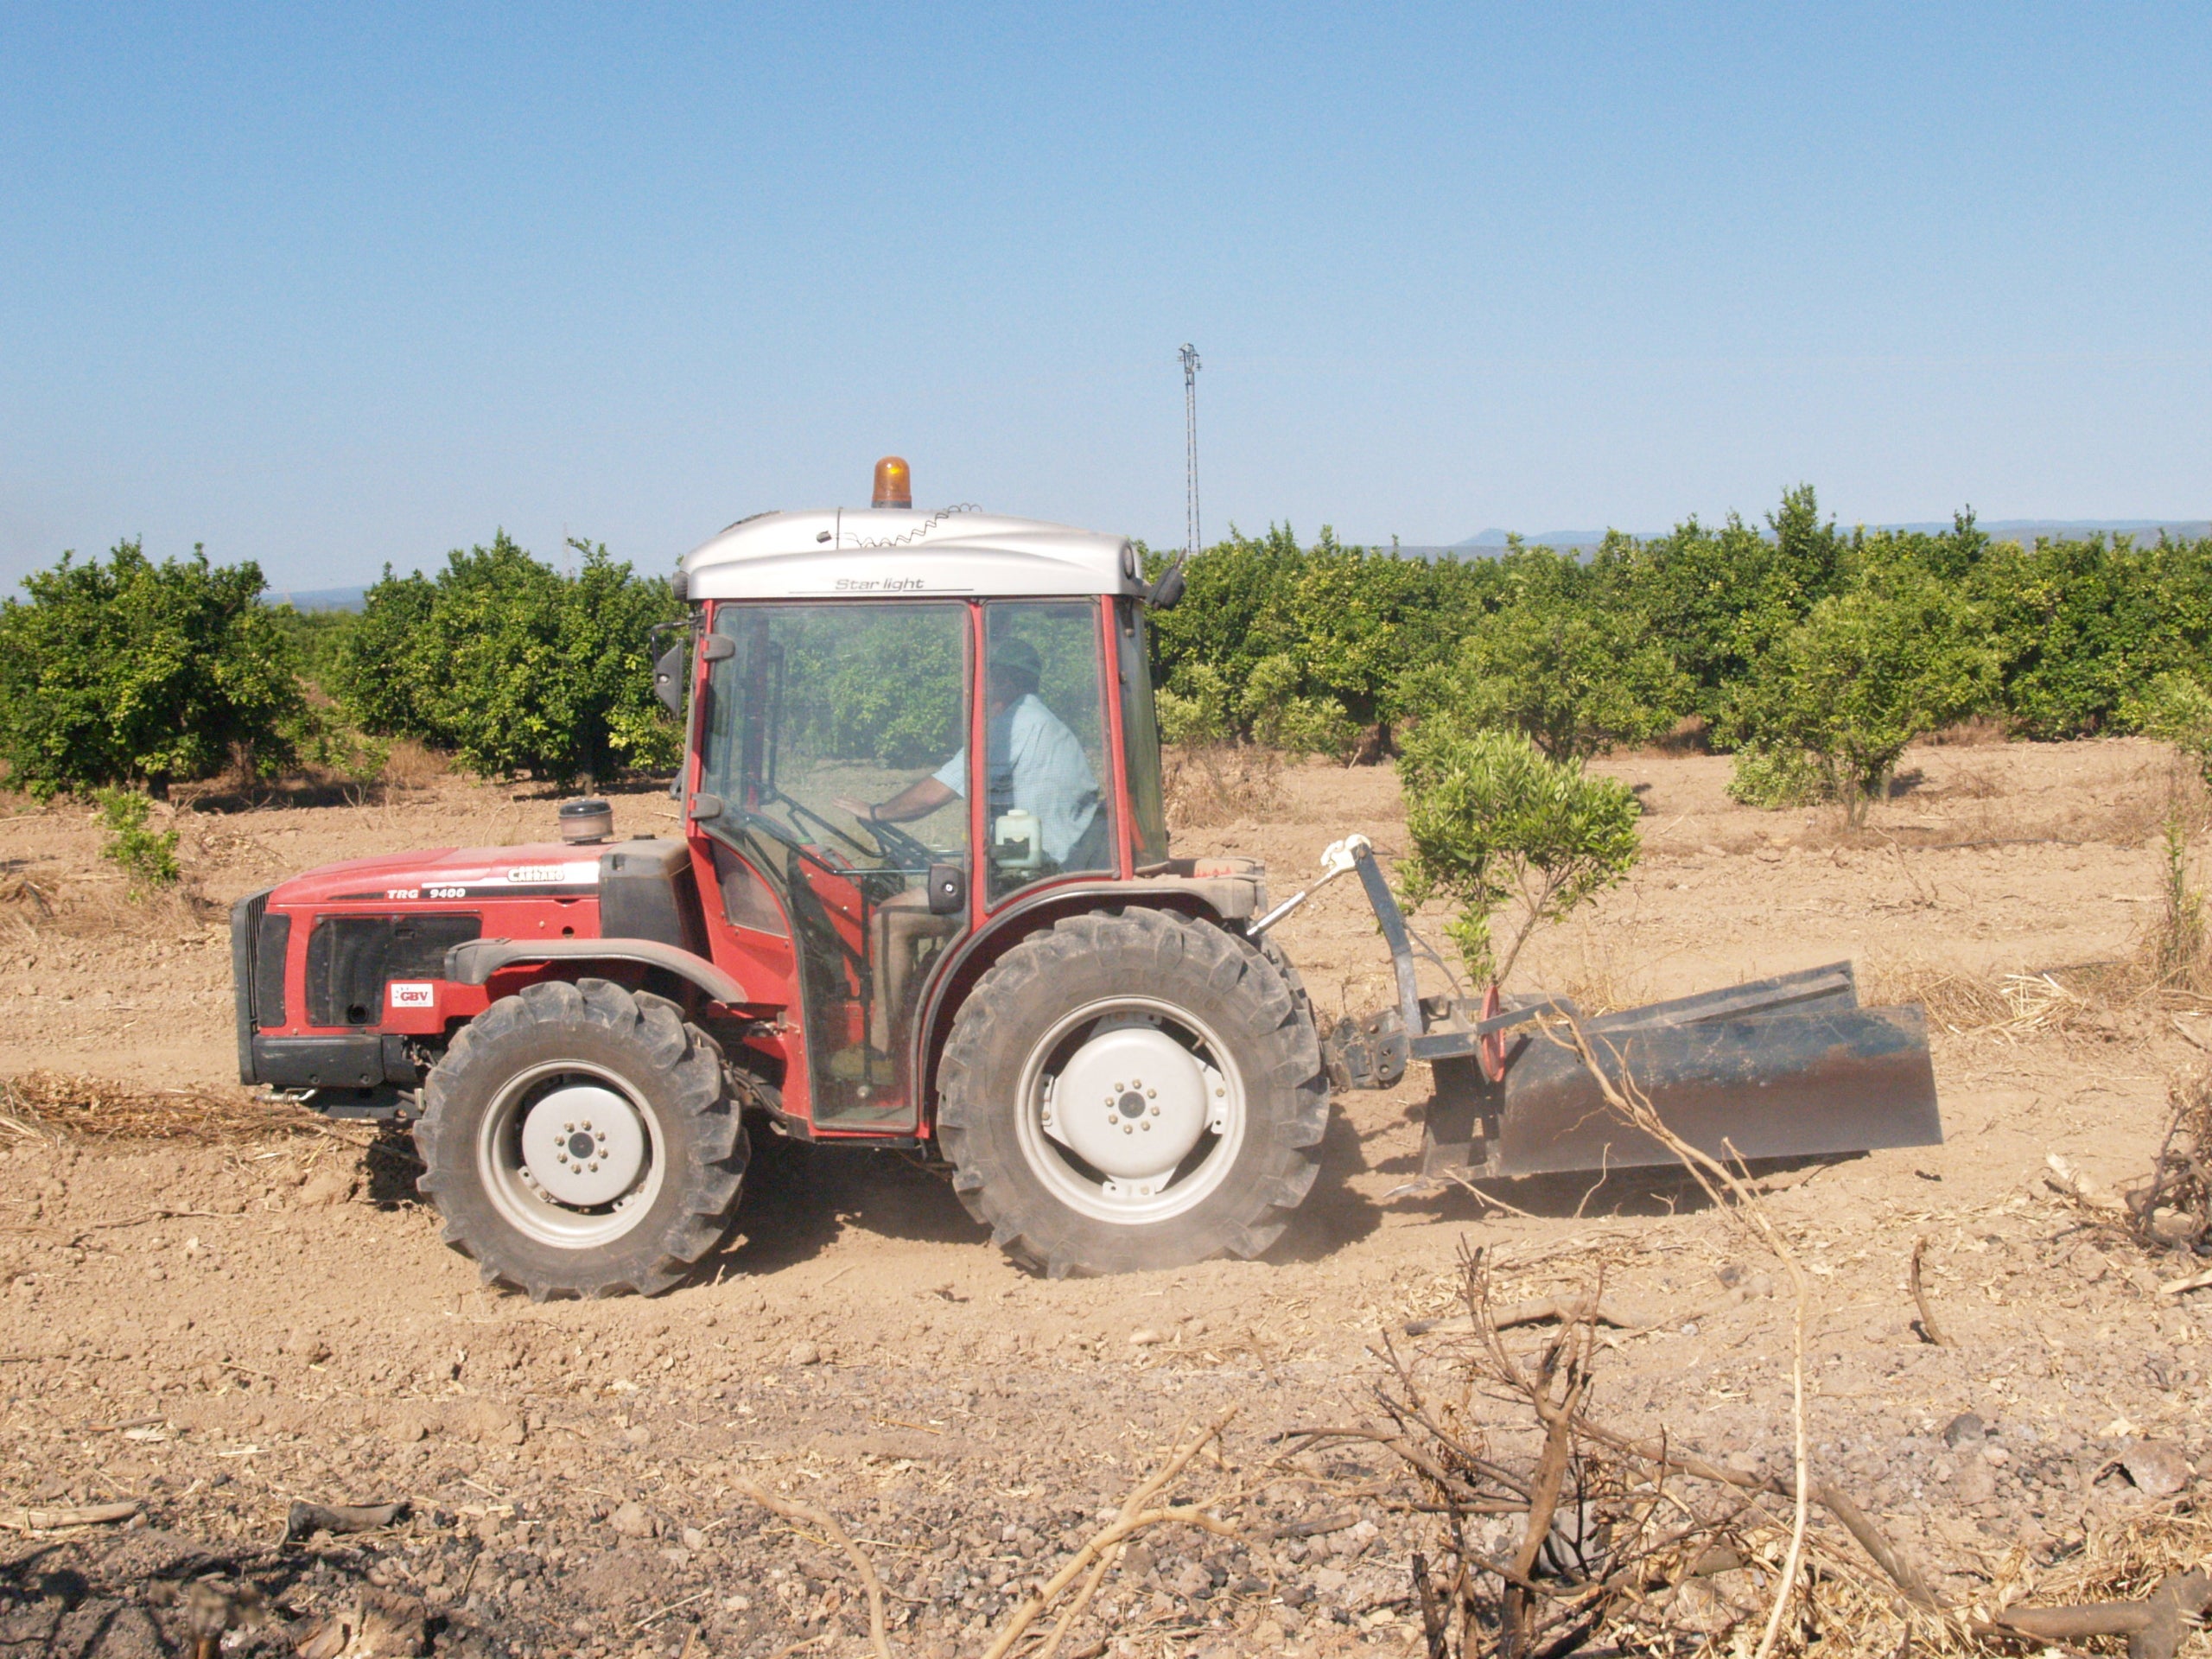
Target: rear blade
pixel 1813 1076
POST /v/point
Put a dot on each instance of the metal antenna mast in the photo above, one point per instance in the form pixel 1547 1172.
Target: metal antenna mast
pixel 1189 356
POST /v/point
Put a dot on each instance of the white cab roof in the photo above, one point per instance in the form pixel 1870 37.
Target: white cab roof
pixel 854 553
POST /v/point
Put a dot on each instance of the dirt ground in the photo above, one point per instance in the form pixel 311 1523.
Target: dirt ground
pixel 217 1329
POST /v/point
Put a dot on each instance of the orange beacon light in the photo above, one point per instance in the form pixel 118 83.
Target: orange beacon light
pixel 894 484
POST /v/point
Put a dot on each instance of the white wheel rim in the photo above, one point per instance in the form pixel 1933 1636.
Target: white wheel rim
pixel 1130 1111
pixel 542 1178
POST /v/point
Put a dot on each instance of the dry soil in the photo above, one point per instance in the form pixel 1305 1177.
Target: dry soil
pixel 217 1328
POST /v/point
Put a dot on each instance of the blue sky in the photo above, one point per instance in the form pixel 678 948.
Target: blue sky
pixel 327 286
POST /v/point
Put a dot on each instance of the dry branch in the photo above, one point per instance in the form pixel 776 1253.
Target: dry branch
pixel 304 1520
pixel 1720 1184
pixel 55 1103
pixel 1930 1331
pixel 2154 1627
pixel 822 1518
pixel 1544 1309
pixel 91 1515
pixel 1134 1518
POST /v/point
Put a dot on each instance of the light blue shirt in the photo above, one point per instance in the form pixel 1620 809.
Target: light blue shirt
pixel 1038 764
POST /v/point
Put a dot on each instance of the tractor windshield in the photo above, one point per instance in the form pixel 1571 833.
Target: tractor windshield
pixel 827 732
pixel 826 713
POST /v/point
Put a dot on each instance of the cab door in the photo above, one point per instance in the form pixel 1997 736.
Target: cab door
pixel 820 716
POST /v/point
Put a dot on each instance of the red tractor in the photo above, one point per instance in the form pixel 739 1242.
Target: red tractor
pixel 922 899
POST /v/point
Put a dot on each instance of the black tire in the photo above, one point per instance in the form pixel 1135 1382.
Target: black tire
pixel 1216 991
pixel 556 1036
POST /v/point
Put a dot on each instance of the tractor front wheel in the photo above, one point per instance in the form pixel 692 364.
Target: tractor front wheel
pixel 1131 1091
pixel 580 1141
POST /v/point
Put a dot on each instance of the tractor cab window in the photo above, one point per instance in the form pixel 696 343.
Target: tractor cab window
pixel 1049 805
pixel 826 731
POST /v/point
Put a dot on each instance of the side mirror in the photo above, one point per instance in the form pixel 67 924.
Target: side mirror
pixel 669 675
pixel 948 887
pixel 1168 589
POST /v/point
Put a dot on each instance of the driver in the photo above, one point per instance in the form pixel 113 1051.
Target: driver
pixel 1036 765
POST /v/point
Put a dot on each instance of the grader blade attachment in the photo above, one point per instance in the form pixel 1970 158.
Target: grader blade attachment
pixel 1786 1067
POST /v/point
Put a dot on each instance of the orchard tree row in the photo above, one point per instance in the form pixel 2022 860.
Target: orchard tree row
pixel 125 672
pixel 1814 653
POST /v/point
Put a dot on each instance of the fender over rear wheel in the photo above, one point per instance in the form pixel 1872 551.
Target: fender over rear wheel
pixel 1132 1091
pixel 580 1141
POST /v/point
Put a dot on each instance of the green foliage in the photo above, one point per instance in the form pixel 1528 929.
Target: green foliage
pixel 1834 700
pixel 513 666
pixel 1557 661
pixel 1772 779
pixel 1719 599
pixel 1202 711
pixel 2178 710
pixel 317 639
pixel 148 856
pixel 2084 626
pixel 1306 647
pixel 1281 715
pixel 126 672
pixel 1494 823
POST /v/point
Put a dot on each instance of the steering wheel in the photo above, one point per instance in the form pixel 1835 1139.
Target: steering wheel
pixel 898 846
pixel 800 809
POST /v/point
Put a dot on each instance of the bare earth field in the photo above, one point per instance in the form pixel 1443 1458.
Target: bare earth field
pixel 219 1324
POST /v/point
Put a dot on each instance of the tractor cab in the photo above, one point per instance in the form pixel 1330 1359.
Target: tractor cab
pixel 884 762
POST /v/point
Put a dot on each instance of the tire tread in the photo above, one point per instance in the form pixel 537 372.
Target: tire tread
pixel 686 1058
pixel 1154 947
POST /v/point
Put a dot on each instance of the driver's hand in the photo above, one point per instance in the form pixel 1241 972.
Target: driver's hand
pixel 860 809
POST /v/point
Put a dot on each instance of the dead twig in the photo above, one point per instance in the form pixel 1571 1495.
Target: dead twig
pixel 791 1510
pixel 659 1613
pixel 1433 1626
pixel 1132 1519
pixel 1721 1183
pixel 2154 1627
pixel 90 1515
pixel 1930 1332
pixel 304 1520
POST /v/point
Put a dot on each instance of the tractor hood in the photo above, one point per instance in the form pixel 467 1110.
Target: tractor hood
pixel 542 870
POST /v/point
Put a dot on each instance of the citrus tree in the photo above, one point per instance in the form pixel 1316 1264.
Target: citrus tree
pixel 124 672
pixel 1512 836
pixel 512 666
pixel 1826 712
pixel 1566 658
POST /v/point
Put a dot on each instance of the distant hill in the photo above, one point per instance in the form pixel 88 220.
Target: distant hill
pixel 1486 540
pixel 320 598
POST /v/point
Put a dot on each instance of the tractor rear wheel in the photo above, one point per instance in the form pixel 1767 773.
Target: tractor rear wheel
pixel 580 1141
pixel 1132 1091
